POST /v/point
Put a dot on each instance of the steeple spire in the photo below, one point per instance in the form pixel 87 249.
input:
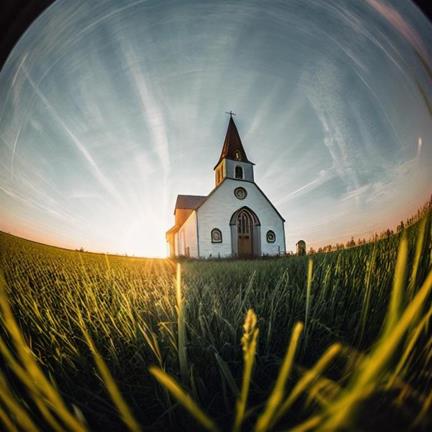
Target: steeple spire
pixel 233 162
pixel 232 147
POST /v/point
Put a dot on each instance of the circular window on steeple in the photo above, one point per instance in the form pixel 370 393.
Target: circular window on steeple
pixel 271 236
pixel 240 193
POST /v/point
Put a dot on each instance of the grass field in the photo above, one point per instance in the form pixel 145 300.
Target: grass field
pixel 94 342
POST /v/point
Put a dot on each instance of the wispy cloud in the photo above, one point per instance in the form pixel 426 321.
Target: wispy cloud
pixel 94 168
pixel 39 206
pixel 325 93
pixel 400 24
pixel 323 177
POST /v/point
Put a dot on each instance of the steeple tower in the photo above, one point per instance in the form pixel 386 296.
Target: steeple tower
pixel 233 162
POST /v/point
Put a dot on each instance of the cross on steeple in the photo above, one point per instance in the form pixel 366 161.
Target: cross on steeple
pixel 230 113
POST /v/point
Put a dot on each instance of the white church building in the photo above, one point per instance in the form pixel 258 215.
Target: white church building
pixel 236 219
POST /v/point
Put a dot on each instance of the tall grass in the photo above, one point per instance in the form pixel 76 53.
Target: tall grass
pixel 93 342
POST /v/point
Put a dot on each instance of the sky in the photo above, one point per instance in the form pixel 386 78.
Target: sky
pixel 109 109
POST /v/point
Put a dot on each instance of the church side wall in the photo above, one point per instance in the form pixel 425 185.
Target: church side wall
pixel 216 212
pixel 187 234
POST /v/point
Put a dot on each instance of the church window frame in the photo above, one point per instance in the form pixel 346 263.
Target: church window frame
pixel 271 236
pixel 238 172
pixel 216 235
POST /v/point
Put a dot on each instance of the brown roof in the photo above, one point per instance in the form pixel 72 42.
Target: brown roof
pixel 189 201
pixel 185 203
pixel 172 230
pixel 233 145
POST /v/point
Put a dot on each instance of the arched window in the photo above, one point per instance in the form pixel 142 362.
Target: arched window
pixel 238 172
pixel 216 235
pixel 271 236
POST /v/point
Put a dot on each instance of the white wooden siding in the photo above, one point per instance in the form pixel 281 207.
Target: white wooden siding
pixel 217 210
pixel 188 237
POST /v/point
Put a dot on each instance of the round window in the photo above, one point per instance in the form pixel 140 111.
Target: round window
pixel 240 193
pixel 271 236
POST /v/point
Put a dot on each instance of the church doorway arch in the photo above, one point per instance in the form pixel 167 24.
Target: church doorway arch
pixel 245 233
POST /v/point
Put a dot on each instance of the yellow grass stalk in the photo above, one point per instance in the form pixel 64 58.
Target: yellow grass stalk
pixel 367 293
pixel 35 393
pixel 275 399
pixel 306 380
pixel 7 422
pixel 183 398
pixel 20 414
pixel 309 424
pixel 426 409
pixel 323 391
pixel 249 343
pixel 398 285
pixel 407 351
pixel 308 295
pixel 111 387
pixel 368 376
pixel 152 341
pixel 32 368
pixel 181 324
pixel 417 256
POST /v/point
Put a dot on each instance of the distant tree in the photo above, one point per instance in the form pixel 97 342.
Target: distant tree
pixel 81 249
pixel 421 212
pixel 351 242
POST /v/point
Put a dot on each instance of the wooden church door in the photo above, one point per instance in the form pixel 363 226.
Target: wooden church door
pixel 245 233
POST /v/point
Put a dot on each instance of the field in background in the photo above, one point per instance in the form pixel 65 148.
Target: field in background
pixel 113 343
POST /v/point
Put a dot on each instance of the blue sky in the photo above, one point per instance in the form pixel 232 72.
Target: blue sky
pixel 112 108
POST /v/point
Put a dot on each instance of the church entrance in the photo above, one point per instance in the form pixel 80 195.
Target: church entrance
pixel 245 233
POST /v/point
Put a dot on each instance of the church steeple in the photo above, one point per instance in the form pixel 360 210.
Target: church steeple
pixel 233 162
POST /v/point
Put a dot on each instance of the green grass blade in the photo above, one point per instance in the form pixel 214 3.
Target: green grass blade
pixel 181 324
pixel 277 394
pixel 112 388
pixel 183 398
pixel 249 344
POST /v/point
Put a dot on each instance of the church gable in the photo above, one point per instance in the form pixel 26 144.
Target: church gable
pixel 217 213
